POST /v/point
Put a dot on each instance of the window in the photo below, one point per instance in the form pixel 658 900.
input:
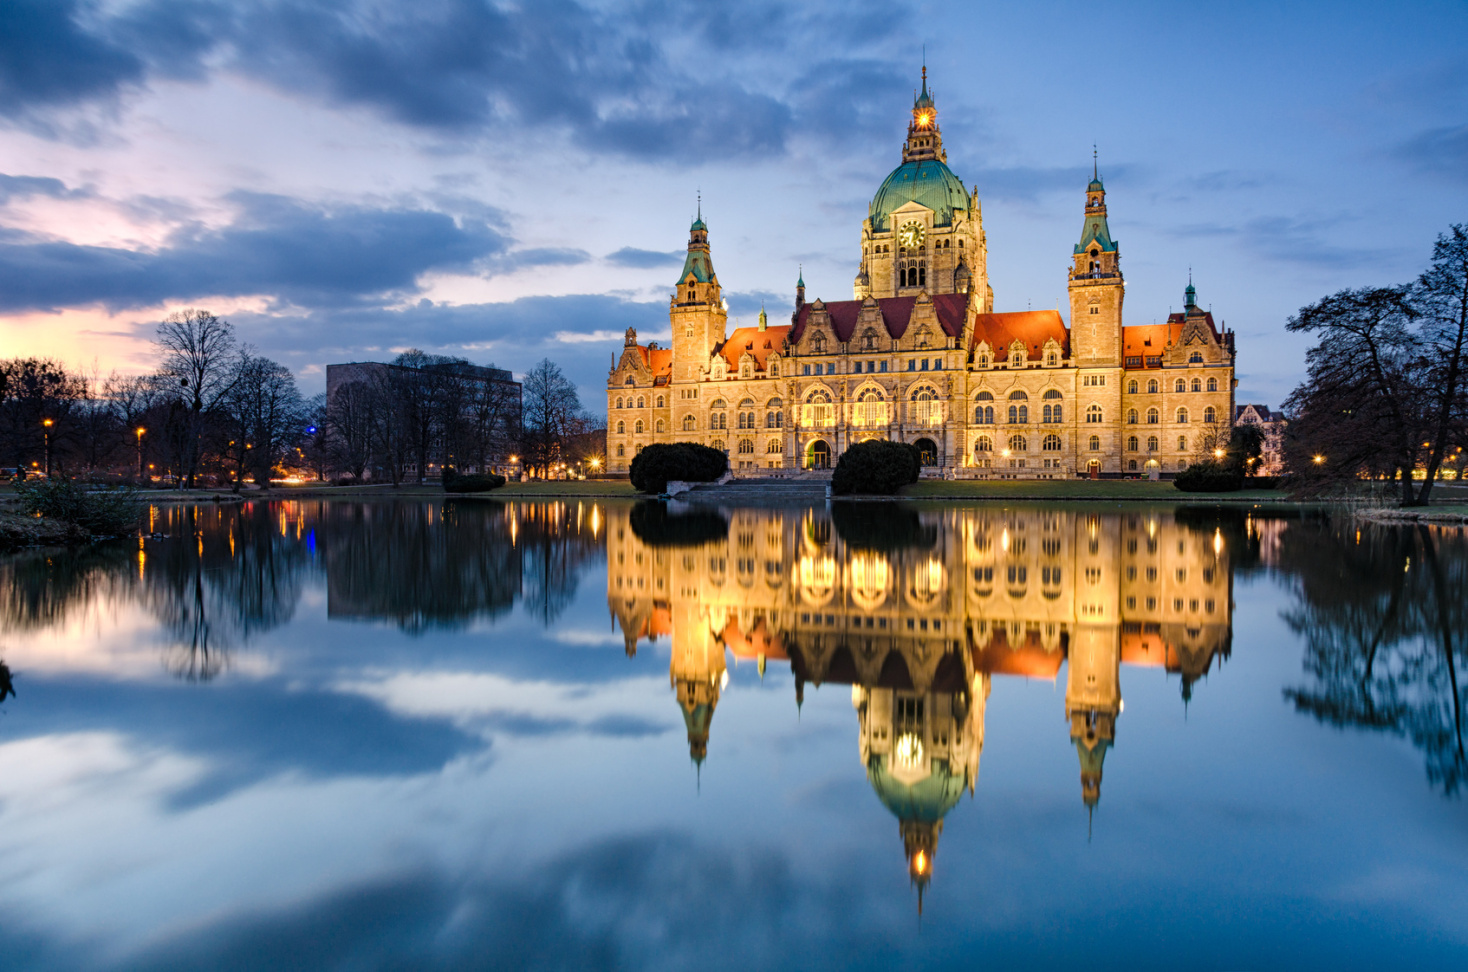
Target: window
pixel 983 361
pixel 774 369
pixel 718 444
pixel 619 401
pixel 1051 443
pixel 1131 416
pixel 1182 416
pixel 1051 414
pixel 1210 415
pixel 1095 443
pixel 1093 414
pixel 1131 443
pixel 660 425
pixel 1213 384
pixel 660 401
pixel 1182 445
pixel 1019 415
pixel 746 447
pixel 1197 385
pixel 1152 443
pixel 689 423
pixel 882 367
pixel 621 428
pixel 1018 396
pixel 1153 416
pixel 818 411
pixel 774 447
pixel 1152 387
pixel 869 410
pixel 638 427
pixel 926 409
pixel 984 444
pixel 631 380
pixel 807 369
pixel 1131 387
pixel 621 451
pixel 640 403
pixel 718 421
pixel 1195 358
pixel 983 396
pixel 1017 443
pixel 1131 465
pixel 1180 386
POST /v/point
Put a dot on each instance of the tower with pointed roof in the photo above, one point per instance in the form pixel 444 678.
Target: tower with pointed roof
pixel 1096 286
pixel 696 308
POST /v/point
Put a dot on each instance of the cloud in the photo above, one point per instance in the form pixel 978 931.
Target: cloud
pixel 48 60
pixel 631 256
pixel 21 187
pixel 1439 151
pixel 306 255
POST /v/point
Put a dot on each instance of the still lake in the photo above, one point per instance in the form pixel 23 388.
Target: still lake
pixel 592 734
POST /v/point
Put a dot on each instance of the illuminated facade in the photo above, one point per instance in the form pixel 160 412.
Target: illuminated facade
pixel 919 614
pixel 920 356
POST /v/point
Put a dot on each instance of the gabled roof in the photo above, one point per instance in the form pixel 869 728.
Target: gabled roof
pixel 658 360
pixel 1265 415
pixel 1028 658
pixel 759 343
pixel 1034 328
pixel 896 313
pixel 1135 338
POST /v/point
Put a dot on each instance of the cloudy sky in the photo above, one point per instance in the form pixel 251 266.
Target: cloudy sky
pixel 509 181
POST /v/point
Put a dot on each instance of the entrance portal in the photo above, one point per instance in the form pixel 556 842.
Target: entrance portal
pixel 928 450
pixel 818 456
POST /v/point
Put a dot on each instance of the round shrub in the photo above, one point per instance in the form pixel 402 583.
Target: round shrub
pixel 887 528
pixel 475 483
pixel 102 512
pixel 655 526
pixel 876 466
pixel 657 465
pixel 1210 477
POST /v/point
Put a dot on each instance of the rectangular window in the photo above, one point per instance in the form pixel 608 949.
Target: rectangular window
pixel 884 366
pixel 937 364
pixel 830 369
pixel 925 364
pixel 911 364
pixel 1134 361
pixel 807 369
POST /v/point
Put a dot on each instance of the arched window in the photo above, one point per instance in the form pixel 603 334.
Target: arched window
pixel 1049 414
pixel 1095 443
pixel 1197 385
pixel 1131 443
pixel 870 409
pixel 1051 443
pixel 689 423
pixel 1017 443
pixel 818 344
pixel 1213 384
pixel 984 444
pixel 660 401
pixel 718 444
pixel 983 396
pixel 926 409
pixel 631 380
pixel 774 369
pixel 621 451
pixel 983 414
pixel 621 428
pixel 1093 414
pixel 1180 386
pixel 1210 415
pixel 660 425
pixel 774 447
pixel 869 340
pixel 1131 416
pixel 1195 358
pixel 1152 443
pixel 619 401
pixel 818 412
pixel 1018 396
pixel 638 427
pixel 640 402
pixel 1131 465
pixel 746 447
pixel 1019 415
pixel 1182 416
pixel 1153 416
pixel 1152 387
pixel 1052 395
pixel 983 361
pixel 1131 387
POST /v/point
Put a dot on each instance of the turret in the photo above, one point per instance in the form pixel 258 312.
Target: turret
pixel 924 140
pixel 1096 286
pixel 696 309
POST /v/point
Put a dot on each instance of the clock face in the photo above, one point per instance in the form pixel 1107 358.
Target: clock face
pixel 911 235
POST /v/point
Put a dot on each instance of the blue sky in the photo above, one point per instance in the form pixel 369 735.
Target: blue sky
pixel 506 182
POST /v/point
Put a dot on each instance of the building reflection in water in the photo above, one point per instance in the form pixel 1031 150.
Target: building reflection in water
pixel 918 613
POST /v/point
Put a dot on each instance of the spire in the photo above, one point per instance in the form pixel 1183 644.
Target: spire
pixel 1190 296
pixel 764 322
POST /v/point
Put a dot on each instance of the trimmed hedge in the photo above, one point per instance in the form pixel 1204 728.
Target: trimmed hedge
pixel 1210 477
pixel 475 483
pixel 876 466
pixel 657 465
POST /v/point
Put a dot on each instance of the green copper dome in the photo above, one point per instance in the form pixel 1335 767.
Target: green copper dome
pixel 927 800
pixel 928 183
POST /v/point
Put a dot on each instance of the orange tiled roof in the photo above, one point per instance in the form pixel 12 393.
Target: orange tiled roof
pixel 1029 658
pixel 758 343
pixel 659 360
pixel 758 642
pixel 1034 328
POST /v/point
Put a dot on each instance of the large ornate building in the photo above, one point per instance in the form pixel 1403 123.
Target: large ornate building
pixel 920 356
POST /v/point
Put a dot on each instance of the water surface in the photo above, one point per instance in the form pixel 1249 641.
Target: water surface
pixel 340 735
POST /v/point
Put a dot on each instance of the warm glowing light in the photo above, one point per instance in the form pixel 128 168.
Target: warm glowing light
pixel 920 863
pixel 1217 542
pixel 1218 453
pixel 141 430
pixel 1319 460
pixel 909 750
pixel 48 422
pixel 924 119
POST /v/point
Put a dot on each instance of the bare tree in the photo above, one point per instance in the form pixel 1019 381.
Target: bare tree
pixel 201 355
pixel 351 418
pixel 551 404
pixel 266 413
pixel 1441 297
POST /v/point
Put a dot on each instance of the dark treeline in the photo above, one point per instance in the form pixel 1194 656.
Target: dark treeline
pixel 1387 394
pixel 1383 614
pixel 213 412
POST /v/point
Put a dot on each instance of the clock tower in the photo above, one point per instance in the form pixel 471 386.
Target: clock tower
pixel 696 309
pixel 924 232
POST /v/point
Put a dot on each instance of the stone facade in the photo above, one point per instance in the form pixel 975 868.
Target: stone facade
pixel 1272 424
pixel 920 356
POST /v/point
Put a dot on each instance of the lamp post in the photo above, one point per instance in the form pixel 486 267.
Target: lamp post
pixel 141 475
pixel 46 431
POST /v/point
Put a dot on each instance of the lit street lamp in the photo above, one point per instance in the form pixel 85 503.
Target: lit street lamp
pixel 46 426
pixel 141 430
pixel 1319 460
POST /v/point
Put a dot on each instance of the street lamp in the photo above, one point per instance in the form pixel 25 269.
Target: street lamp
pixel 1218 453
pixel 1319 460
pixel 46 426
pixel 140 431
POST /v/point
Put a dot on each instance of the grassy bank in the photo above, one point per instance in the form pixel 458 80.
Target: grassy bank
pixel 1078 489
